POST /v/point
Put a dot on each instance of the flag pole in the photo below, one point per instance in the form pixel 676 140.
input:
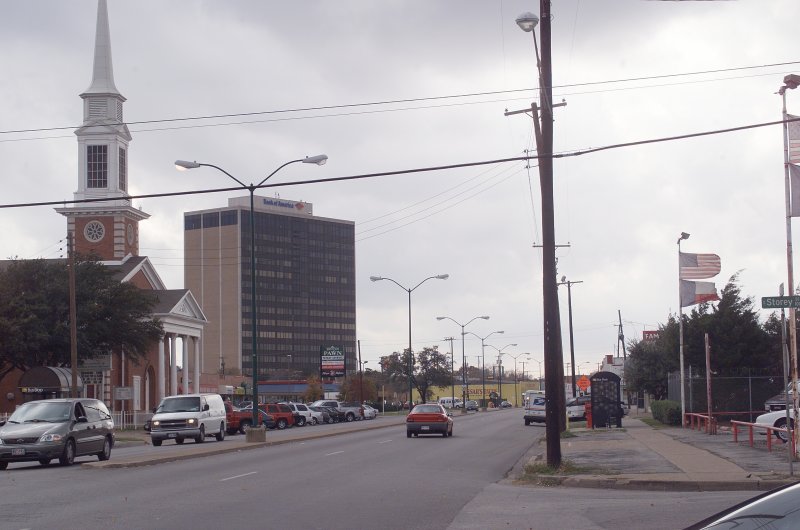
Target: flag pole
pixel 789 259
pixel 684 235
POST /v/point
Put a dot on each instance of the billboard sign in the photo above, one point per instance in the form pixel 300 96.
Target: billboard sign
pixel 650 335
pixel 331 361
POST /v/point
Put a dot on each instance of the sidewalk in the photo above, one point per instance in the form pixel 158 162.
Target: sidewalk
pixel 671 459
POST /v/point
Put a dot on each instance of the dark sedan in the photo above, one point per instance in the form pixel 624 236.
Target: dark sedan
pixel 429 419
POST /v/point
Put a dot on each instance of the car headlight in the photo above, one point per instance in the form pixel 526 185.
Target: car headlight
pixel 51 438
pixel 191 421
pixel 155 423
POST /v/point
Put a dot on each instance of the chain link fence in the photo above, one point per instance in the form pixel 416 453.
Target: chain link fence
pixel 737 397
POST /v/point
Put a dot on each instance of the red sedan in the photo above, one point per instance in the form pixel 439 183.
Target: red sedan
pixel 430 418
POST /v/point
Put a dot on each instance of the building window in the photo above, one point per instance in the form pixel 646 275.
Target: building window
pixel 210 220
pixel 96 166
pixel 230 217
pixel 191 222
pixel 123 170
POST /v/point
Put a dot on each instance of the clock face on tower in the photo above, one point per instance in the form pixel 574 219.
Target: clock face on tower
pixel 131 234
pixel 94 231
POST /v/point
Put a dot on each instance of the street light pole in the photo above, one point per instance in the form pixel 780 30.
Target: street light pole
pixel 683 236
pixel 452 374
pixel 483 365
pixel 410 354
pixel 464 383
pixel 571 341
pixel 183 165
pixel 516 378
pixel 500 366
pixel 790 82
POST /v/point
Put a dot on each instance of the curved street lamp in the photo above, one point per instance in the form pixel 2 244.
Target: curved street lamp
pixel 500 365
pixel 410 355
pixel 183 165
pixel 464 383
pixel 483 364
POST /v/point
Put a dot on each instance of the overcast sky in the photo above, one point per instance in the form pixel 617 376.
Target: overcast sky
pixel 620 211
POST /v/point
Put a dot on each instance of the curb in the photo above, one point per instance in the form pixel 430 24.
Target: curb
pixel 585 481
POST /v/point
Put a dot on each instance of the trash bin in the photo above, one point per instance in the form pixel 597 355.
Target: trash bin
pixel 588 413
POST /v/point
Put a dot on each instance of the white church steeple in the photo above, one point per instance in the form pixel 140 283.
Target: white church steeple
pixel 108 228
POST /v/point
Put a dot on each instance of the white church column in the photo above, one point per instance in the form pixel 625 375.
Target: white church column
pixel 196 364
pixel 173 366
pixel 160 375
pixel 185 364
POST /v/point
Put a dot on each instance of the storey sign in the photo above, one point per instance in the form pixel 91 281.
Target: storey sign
pixel 780 302
pixel 331 361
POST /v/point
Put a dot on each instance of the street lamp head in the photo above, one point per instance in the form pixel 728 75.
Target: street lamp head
pixel 684 235
pixel 791 81
pixel 442 276
pixel 484 317
pixel 183 165
pixel 527 21
pixel 317 159
pixel 440 318
pixel 376 278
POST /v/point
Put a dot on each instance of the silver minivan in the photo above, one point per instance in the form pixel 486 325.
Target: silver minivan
pixel 39 431
pixel 194 416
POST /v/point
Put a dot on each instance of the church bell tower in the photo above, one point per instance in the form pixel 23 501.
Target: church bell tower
pixel 108 225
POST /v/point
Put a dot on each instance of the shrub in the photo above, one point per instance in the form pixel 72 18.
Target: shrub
pixel 666 411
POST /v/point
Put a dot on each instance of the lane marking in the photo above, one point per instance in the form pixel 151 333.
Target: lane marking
pixel 384 442
pixel 335 453
pixel 238 476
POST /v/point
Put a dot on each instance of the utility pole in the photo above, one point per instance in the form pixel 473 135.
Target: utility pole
pixel 571 340
pixel 553 355
pixel 621 337
pixel 452 374
pixel 73 315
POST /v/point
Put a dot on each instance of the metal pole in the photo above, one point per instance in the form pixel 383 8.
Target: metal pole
pixel 410 356
pixel 789 259
pixel 253 302
pixel 483 376
pixel 709 426
pixel 785 349
pixel 464 388
pixel 680 337
pixel 571 341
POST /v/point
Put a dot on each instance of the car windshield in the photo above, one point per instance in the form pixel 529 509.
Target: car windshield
pixel 180 404
pixel 41 412
pixel 427 409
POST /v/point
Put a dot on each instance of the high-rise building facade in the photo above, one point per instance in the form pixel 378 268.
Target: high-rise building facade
pixel 305 285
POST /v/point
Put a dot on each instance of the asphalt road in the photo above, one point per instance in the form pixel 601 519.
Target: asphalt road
pixel 370 479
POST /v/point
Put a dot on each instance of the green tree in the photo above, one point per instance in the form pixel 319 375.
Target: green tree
pixel 34 314
pixel 647 367
pixel 431 368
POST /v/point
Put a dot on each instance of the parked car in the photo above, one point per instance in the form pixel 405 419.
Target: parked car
pixel 776 419
pixel 324 412
pixel 430 418
pixel 369 412
pixel 471 405
pixel 505 404
pixel 302 415
pixel 39 431
pixel 352 411
pixel 778 401
pixel 576 407
pixel 774 509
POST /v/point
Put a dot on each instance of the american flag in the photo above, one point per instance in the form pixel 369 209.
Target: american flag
pixel 793 128
pixel 699 266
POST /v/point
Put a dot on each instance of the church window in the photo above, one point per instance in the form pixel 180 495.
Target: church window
pixel 123 169
pixel 96 166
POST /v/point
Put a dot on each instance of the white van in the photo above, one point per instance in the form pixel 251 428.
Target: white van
pixel 185 416
pixel 450 403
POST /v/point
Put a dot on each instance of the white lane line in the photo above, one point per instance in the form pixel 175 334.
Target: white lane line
pixel 238 476
pixel 384 442
pixel 335 453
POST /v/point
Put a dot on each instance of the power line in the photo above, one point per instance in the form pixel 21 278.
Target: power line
pixel 405 100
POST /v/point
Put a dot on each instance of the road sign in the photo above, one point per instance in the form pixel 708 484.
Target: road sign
pixel 777 302
pixel 583 383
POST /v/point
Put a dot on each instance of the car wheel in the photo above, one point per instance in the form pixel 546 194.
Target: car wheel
pixel 105 454
pixel 202 436
pixel 527 422
pixel 281 424
pixel 179 441
pixel 314 421
pixel 408 434
pixel 301 421
pixel 350 416
pixel 221 434
pixel 67 458
pixel 244 425
pixel 44 461
pixel 3 465
pixel 156 443
pixel 444 434
pixel 781 423
pixel 450 433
